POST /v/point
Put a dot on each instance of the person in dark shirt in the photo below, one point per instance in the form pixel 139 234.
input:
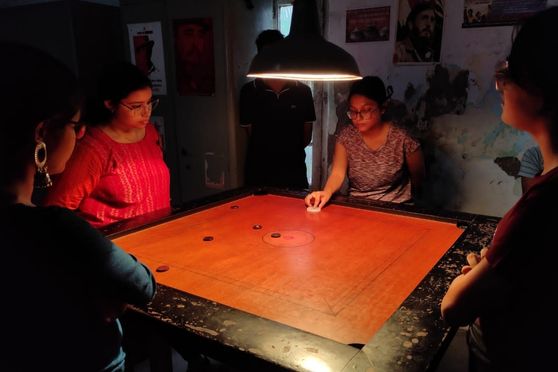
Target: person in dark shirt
pixel 66 284
pixel 277 115
pixel 507 294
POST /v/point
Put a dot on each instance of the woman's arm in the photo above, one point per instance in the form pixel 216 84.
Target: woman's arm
pixel 106 267
pixel 471 293
pixel 334 181
pixel 111 276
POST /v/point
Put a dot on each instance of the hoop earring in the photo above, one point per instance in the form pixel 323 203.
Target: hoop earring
pixel 42 178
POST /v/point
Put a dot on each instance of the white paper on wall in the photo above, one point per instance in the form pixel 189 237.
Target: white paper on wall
pixel 146 47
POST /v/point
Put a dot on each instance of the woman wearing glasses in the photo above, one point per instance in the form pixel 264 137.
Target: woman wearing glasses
pixel 68 283
pixel 381 160
pixel 508 293
pixel 117 171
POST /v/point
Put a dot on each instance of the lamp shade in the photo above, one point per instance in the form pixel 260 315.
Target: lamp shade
pixel 304 54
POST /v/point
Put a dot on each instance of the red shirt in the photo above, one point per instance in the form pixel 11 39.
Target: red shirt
pixel 520 333
pixel 107 181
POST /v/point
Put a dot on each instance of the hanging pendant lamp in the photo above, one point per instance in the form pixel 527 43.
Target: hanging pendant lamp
pixel 304 54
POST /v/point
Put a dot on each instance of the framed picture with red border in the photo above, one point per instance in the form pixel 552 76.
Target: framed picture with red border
pixel 370 24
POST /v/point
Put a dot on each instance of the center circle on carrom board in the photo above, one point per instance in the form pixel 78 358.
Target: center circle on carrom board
pixel 288 238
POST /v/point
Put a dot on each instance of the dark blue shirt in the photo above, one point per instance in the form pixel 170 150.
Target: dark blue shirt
pixel 63 279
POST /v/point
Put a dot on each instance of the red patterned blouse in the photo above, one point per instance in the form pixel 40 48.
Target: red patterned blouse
pixel 106 181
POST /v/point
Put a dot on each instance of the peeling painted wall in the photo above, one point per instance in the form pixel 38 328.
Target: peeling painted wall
pixel 472 157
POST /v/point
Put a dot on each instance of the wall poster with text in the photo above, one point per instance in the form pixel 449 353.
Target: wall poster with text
pixel 479 13
pixel 146 46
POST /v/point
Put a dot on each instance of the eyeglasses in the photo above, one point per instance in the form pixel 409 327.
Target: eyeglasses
pixel 364 114
pixel 78 127
pixel 502 75
pixel 137 108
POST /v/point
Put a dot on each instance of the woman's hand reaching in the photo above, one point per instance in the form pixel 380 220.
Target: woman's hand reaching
pixel 317 198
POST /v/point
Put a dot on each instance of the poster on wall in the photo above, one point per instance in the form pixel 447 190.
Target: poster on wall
pixel 195 65
pixel 480 13
pixel 419 32
pixel 371 24
pixel 146 46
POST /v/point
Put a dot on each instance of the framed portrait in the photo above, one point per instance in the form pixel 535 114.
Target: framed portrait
pixel 481 13
pixel 419 32
pixel 371 24
pixel 194 56
pixel 146 47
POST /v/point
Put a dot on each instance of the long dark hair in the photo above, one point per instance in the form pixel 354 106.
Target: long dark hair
pixel 35 88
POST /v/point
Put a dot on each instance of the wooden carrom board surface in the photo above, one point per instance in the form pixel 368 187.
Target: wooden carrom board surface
pixel 339 273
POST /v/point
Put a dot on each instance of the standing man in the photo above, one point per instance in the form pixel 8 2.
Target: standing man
pixel 277 115
pixel 419 43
